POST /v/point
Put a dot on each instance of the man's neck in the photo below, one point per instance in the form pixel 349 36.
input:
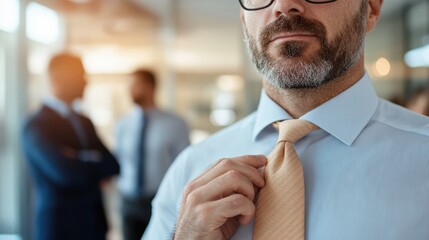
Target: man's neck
pixel 297 102
pixel 147 105
pixel 67 101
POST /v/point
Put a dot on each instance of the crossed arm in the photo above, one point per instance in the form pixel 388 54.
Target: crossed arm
pixel 64 165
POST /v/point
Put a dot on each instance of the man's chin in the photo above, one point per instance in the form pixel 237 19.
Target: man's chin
pixel 297 83
pixel 291 63
pixel 295 52
pixel 302 58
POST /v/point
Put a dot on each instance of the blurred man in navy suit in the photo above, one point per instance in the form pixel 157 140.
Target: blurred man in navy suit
pixel 67 160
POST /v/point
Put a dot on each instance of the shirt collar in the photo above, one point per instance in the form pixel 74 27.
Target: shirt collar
pixel 57 105
pixel 138 111
pixel 344 116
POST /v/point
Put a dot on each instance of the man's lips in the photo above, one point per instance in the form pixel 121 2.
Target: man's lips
pixel 292 36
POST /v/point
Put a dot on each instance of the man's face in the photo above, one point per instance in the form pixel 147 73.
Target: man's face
pixel 79 77
pixel 141 90
pixel 296 44
pixel 70 79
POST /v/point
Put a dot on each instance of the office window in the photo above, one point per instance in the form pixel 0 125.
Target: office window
pixel 2 84
pixel 9 15
pixel 417 26
pixel 43 24
pixel 2 101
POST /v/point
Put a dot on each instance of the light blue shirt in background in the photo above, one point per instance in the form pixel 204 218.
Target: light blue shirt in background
pixel 166 136
pixel 366 170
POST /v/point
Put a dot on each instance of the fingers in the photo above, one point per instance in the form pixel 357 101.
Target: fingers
pixel 216 213
pixel 222 186
pixel 216 219
pixel 235 205
pixel 246 165
pixel 221 198
pixel 255 161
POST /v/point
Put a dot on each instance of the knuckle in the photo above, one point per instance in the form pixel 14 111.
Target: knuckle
pixel 249 158
pixel 220 160
pixel 225 163
pixel 189 188
pixel 234 175
pixel 238 200
pixel 192 199
pixel 203 212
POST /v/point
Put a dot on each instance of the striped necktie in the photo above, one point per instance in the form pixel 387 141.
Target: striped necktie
pixel 280 208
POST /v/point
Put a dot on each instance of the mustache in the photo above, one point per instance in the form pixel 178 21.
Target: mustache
pixel 292 24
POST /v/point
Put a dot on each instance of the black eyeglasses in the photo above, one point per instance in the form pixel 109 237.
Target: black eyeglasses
pixel 254 5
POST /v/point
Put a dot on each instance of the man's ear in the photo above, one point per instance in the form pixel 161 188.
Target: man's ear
pixel 374 10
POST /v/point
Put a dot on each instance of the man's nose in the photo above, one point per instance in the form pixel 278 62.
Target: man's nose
pixel 288 7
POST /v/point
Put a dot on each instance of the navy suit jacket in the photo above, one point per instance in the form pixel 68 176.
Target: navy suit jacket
pixel 68 202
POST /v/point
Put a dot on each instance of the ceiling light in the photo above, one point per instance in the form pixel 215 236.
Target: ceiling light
pixel 382 67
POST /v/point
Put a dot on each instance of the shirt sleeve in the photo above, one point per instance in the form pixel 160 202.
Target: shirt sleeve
pixel 62 167
pixel 166 202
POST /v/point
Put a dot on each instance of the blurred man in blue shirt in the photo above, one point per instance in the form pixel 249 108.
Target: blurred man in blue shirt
pixel 366 169
pixel 148 140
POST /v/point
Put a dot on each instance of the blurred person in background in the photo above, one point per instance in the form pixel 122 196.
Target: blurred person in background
pixel 148 139
pixel 398 100
pixel 419 101
pixel 67 160
pixel 346 164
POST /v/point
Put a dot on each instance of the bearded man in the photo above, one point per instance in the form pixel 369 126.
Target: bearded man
pixel 346 164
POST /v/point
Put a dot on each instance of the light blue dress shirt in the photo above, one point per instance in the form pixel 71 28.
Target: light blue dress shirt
pixel 166 136
pixel 366 170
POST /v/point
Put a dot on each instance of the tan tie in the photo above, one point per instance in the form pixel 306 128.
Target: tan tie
pixel 280 208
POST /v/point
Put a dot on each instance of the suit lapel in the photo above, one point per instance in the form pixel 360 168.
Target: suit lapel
pixel 60 128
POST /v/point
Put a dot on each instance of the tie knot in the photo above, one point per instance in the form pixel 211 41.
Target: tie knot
pixel 294 130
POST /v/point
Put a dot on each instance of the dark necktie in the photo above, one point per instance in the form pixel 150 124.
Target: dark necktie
pixel 141 157
pixel 77 125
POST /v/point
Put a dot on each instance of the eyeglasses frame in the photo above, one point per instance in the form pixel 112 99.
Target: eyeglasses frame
pixel 272 1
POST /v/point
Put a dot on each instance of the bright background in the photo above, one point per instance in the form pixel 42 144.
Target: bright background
pixel 195 47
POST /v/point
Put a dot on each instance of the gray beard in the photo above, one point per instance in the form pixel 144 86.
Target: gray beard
pixel 330 62
pixel 301 75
